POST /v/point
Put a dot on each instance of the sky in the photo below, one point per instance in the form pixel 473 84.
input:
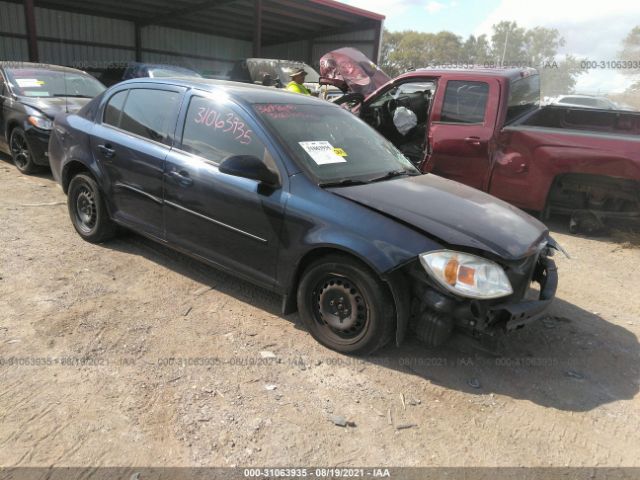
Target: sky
pixel 592 30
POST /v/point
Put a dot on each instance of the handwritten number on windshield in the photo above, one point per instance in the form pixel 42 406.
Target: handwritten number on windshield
pixel 230 125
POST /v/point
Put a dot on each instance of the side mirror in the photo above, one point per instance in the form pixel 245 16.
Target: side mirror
pixel 249 166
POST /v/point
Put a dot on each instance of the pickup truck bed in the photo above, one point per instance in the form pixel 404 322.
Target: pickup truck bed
pixel 581 119
pixel 577 162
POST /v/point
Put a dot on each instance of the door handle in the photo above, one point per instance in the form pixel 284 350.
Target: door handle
pixel 107 150
pixel 475 141
pixel 182 177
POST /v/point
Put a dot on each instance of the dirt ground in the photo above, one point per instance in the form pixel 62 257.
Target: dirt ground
pixel 129 354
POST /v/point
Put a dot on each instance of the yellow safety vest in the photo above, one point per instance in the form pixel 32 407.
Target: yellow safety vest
pixel 297 88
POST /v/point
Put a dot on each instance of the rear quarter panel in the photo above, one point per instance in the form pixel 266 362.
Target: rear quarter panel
pixel 69 143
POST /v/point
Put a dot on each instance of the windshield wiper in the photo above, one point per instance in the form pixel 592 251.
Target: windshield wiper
pixel 393 174
pixel 71 95
pixel 347 182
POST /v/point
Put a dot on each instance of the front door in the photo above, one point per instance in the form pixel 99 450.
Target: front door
pixel 461 131
pixel 230 221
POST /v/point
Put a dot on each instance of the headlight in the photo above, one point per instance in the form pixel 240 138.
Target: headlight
pixel 40 122
pixel 467 275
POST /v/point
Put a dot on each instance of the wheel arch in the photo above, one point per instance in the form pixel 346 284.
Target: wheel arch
pixel 395 281
pixel 11 125
pixel 588 179
pixel 70 170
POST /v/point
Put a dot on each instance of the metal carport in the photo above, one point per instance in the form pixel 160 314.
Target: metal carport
pixel 204 34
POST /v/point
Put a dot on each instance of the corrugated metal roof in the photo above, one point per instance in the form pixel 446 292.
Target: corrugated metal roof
pixel 282 20
pixel 12 18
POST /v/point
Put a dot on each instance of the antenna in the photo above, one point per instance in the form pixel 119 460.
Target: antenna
pixel 504 50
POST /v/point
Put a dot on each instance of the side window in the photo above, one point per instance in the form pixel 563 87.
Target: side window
pixel 464 102
pixel 113 110
pixel 151 113
pixel 214 131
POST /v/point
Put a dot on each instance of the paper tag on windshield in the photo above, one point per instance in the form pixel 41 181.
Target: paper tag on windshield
pixel 322 152
pixel 29 82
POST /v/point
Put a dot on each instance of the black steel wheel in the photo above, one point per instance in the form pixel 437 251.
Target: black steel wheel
pixel 20 152
pixel 346 306
pixel 87 210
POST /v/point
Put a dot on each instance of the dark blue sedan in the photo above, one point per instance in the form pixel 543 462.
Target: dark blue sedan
pixel 303 198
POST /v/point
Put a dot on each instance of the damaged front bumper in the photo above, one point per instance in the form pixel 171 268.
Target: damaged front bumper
pixel 433 314
pixel 516 315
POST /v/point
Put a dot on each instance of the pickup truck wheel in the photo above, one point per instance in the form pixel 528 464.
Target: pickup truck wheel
pixel 345 306
pixel 87 210
pixel 21 153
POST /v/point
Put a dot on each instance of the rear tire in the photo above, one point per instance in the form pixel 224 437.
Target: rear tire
pixel 346 306
pixel 21 153
pixel 87 210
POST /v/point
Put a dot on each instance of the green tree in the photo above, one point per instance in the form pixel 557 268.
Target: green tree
pixel 631 45
pixel 443 47
pixel 476 50
pixel 390 41
pixel 509 44
pixel 559 78
pixel 410 50
pixel 631 53
pixel 541 45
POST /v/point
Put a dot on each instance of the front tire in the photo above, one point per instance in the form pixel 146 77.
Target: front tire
pixel 87 210
pixel 346 306
pixel 21 153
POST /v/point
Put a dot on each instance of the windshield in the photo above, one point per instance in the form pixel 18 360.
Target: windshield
pixel 161 72
pixel 524 95
pixel 333 144
pixel 39 82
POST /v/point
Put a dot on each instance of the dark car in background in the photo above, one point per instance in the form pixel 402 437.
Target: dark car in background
pixel 301 197
pixel 31 95
pixel 117 73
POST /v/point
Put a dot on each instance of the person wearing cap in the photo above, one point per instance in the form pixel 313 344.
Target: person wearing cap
pixel 297 81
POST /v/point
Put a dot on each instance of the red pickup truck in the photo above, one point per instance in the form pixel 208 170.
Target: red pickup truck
pixel 485 128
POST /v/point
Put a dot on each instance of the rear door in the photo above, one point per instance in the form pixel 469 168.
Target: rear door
pixel 131 143
pixel 230 221
pixel 461 130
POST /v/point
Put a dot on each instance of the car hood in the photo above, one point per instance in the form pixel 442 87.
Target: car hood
pixel 453 213
pixel 348 68
pixel 51 106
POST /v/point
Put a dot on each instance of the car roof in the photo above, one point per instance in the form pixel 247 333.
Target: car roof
pixel 241 92
pixel 44 66
pixel 571 95
pixel 510 73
